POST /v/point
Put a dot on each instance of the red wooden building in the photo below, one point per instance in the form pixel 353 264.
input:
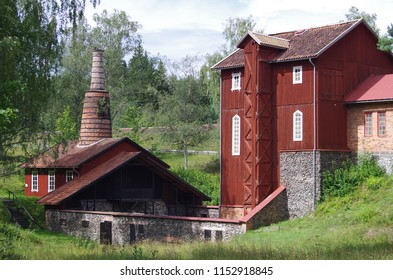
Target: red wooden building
pixel 102 173
pixel 283 114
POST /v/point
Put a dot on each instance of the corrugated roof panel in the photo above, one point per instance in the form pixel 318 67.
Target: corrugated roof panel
pixel 374 88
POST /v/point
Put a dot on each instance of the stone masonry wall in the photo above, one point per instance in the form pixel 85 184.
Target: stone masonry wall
pixel 296 171
pixel 87 225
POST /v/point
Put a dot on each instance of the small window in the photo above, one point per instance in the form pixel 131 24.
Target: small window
pixel 34 181
pixel 368 124
pixel 381 124
pixel 297 126
pixel 297 75
pixel 69 175
pixel 208 234
pixel 51 180
pixel 235 81
pixel 236 135
pixel 85 223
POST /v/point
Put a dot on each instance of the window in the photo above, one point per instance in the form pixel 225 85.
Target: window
pixel 297 126
pixel 236 135
pixel 235 81
pixel 69 175
pixel 381 124
pixel 297 75
pixel 368 124
pixel 34 181
pixel 51 180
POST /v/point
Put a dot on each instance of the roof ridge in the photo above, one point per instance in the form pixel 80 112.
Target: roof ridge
pixel 268 35
pixel 317 27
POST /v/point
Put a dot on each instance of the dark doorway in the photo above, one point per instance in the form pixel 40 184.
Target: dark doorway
pixel 106 233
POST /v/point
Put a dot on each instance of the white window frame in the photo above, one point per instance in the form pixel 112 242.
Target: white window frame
pixel 382 124
pixel 368 124
pixel 69 175
pixel 298 126
pixel 51 180
pixel 236 81
pixel 236 135
pixel 34 181
pixel 297 75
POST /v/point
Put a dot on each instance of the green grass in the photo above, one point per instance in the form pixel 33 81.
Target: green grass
pixel 357 226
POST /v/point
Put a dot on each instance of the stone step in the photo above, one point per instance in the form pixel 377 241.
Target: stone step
pixel 16 214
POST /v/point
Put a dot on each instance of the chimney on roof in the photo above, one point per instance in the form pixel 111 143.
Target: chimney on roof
pixel 96 118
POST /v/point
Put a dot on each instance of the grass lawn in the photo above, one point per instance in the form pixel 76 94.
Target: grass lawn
pixel 357 226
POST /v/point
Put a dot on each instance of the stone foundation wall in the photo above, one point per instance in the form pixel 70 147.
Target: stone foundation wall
pixel 148 227
pixel 193 211
pixel 272 210
pixel 384 159
pixel 232 212
pixel 297 175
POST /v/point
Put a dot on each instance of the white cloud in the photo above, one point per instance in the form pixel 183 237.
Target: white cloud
pixel 176 28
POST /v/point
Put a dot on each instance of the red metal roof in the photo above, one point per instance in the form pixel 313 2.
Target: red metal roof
pixel 295 45
pixel 373 89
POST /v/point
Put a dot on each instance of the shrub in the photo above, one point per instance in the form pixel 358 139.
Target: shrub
pixel 345 179
pixel 207 183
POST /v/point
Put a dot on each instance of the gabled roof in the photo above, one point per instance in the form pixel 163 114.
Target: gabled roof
pixel 295 45
pixel 108 167
pixel 312 42
pixel 78 184
pixel 233 60
pixel 71 155
pixel 378 88
pixel 267 40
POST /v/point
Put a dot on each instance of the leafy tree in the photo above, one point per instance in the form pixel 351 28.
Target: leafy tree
pixel 66 127
pixel 371 19
pixel 386 42
pixel 186 110
pixel 30 50
pixel 211 82
pixel 235 29
pixel 116 34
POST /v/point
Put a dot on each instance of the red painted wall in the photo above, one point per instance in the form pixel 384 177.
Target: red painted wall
pixel 60 180
pixel 338 70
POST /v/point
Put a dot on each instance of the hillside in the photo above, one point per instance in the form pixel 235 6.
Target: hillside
pixel 358 225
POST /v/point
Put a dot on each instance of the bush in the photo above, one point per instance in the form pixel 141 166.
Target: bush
pixel 207 183
pixel 345 179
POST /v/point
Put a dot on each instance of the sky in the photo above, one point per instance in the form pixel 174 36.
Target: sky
pixel 177 28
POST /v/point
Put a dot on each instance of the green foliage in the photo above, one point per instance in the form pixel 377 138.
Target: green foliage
pixel 207 183
pixel 344 179
pixel 66 126
pixel 371 19
pixel 235 29
pixel 385 42
pixel 30 51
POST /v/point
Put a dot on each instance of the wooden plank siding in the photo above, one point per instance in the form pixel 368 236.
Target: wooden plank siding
pixel 269 98
pixel 339 70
